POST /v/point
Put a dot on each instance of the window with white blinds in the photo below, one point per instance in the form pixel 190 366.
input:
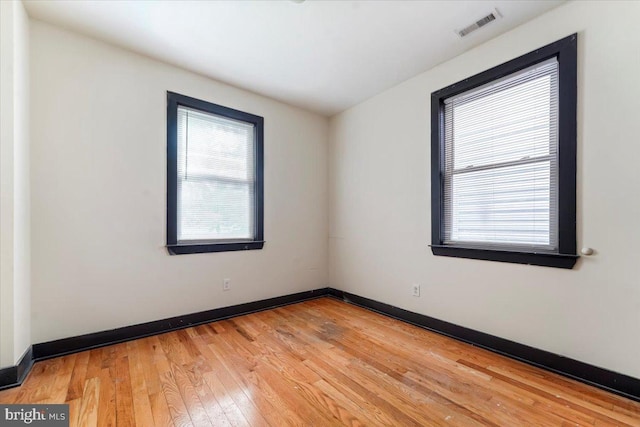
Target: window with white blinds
pixel 501 164
pixel 503 161
pixel 215 170
pixel 216 177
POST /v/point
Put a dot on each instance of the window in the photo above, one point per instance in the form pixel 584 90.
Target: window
pixel 214 177
pixel 504 161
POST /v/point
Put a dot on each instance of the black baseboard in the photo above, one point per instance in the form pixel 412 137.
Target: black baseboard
pixel 613 382
pixel 79 343
pixel 13 376
pixel 602 378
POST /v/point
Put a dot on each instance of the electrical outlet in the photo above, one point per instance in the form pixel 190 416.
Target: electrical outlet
pixel 226 284
pixel 416 290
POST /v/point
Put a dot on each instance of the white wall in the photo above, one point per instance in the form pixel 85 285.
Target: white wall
pixel 99 183
pixel 380 201
pixel 15 239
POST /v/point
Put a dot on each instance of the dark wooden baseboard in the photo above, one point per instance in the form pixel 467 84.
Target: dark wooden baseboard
pixel 614 382
pixel 13 376
pixel 70 345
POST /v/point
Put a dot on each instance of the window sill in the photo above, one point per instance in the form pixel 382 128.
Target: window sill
pixel 531 258
pixel 201 248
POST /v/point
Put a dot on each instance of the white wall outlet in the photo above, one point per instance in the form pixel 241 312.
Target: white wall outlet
pixel 415 290
pixel 226 284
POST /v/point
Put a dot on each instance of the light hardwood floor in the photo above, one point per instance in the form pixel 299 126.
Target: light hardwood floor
pixel 321 362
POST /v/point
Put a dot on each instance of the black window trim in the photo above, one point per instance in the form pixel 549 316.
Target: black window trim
pixel 173 101
pixel 566 52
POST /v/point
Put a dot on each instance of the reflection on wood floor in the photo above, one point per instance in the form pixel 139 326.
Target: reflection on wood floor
pixel 317 363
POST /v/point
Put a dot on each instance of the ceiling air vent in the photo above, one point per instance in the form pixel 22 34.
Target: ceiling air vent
pixel 479 23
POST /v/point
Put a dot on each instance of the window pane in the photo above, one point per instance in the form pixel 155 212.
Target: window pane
pixel 508 205
pixel 501 162
pixel 215 177
pixel 506 121
pixel 210 145
pixel 210 209
pixel 505 126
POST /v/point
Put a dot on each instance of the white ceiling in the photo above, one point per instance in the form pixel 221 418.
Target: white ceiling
pixel 325 56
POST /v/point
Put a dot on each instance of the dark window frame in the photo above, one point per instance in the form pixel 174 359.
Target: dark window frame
pixel 565 50
pixel 173 101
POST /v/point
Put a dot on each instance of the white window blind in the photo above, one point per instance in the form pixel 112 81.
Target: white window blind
pixel 216 178
pixel 501 166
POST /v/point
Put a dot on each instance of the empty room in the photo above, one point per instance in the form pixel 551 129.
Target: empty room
pixel 319 213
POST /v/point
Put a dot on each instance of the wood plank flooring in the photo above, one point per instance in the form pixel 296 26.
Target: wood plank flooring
pixel 318 363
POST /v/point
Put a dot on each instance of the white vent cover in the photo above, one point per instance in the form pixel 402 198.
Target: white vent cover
pixel 479 23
